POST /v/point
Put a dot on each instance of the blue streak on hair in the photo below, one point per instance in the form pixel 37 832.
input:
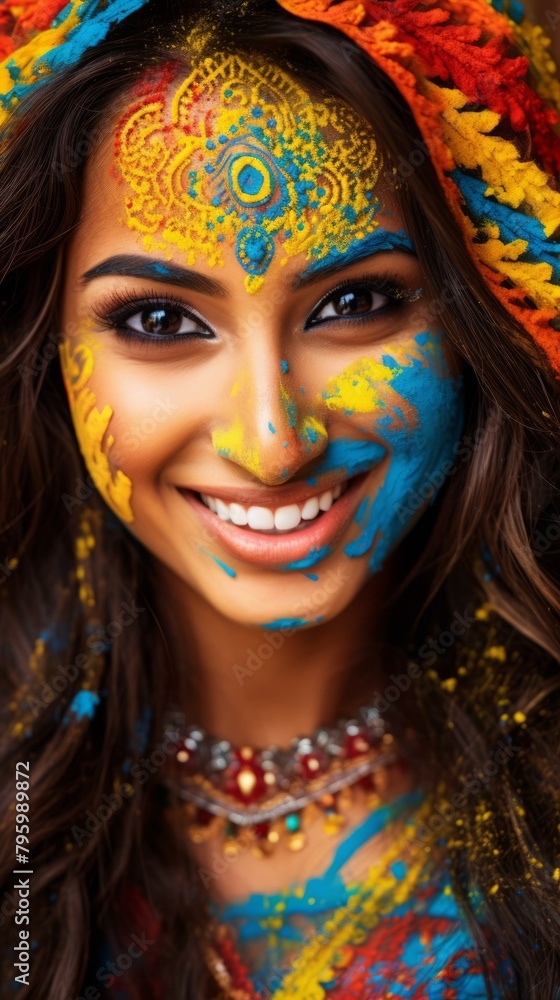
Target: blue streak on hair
pixel 311 559
pixel 280 623
pixel 83 705
pixel 418 452
pixel 349 456
pixel 380 241
pixel 92 29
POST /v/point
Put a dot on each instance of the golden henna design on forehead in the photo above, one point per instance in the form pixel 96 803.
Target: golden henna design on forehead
pixel 241 155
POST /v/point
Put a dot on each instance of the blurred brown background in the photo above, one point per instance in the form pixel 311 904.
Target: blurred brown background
pixel 547 13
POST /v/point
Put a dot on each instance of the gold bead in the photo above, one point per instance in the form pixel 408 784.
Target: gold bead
pixel 269 778
pixel 183 756
pixel 297 841
pixel 246 780
pixel 230 848
pixel 334 823
pixel 246 753
pixel 273 836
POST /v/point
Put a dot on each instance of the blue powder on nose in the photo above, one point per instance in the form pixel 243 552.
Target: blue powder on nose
pixel 284 366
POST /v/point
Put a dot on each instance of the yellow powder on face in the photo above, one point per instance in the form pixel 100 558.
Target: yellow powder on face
pixel 232 443
pixel 91 425
pixel 360 388
pixel 239 155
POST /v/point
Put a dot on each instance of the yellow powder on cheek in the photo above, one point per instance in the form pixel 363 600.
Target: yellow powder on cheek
pixel 91 425
pixel 360 388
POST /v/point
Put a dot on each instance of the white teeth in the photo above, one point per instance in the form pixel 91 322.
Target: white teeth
pixel 238 514
pixel 286 518
pixel 260 518
pixel 222 510
pixel 310 509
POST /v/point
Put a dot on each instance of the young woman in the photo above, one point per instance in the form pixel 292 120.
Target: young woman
pixel 280 501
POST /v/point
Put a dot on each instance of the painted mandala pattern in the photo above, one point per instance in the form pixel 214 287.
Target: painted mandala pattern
pixel 241 155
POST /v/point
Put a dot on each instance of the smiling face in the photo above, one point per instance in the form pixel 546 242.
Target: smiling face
pixel 253 385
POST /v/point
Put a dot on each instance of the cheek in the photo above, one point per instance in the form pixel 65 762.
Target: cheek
pixel 91 422
pixel 413 406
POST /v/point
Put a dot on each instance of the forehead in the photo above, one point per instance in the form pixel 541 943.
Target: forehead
pixel 240 154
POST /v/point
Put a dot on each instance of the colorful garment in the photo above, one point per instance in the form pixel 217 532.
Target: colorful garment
pixel 398 933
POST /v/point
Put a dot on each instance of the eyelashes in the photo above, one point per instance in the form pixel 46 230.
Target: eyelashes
pixel 357 300
pixel 154 318
pixel 151 318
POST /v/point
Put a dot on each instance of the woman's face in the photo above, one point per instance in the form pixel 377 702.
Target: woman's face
pixel 255 384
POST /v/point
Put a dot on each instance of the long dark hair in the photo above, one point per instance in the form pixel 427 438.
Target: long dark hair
pixel 79 604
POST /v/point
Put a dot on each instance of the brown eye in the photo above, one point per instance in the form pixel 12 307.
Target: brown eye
pixel 351 302
pixel 164 321
pixel 161 321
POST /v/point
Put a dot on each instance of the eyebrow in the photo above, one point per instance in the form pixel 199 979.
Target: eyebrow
pixel 137 266
pixel 380 241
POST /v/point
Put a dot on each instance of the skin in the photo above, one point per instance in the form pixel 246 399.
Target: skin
pixel 198 414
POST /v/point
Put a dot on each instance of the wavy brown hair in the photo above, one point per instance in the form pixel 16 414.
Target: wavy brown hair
pixel 79 604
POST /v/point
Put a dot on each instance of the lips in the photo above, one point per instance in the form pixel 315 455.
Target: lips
pixel 267 548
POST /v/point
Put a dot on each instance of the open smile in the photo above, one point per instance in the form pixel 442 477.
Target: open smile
pixel 278 533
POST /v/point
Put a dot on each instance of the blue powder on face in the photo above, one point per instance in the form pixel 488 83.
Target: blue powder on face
pixel 271 428
pixel 311 559
pixel 284 366
pixel 379 241
pixel 311 576
pixel 361 511
pixel 83 705
pixel 227 569
pixel 279 623
pixel 419 451
pixel 349 457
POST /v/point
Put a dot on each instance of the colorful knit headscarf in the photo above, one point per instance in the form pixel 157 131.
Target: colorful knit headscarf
pixel 489 128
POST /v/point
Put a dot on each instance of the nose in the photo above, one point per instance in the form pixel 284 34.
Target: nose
pixel 272 429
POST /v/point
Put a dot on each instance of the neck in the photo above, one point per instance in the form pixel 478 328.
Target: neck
pixel 257 688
